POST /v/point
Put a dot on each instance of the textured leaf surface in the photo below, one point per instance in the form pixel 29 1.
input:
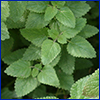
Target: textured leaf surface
pixel 32 53
pixel 71 32
pixel 36 20
pixel 58 4
pixel 66 17
pixel 88 31
pixel 17 9
pixel 48 76
pixel 91 88
pixel 6 47
pixel 50 13
pixel 37 6
pixel 25 86
pixel 4 10
pixel 36 36
pixel 78 8
pixel 65 80
pixel 67 62
pixel 14 56
pixel 49 51
pixel 77 87
pixel 19 68
pixel 82 63
pixel 4 32
pixel 79 47
pixel 48 97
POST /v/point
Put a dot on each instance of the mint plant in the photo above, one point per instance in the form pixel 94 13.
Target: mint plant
pixel 43 43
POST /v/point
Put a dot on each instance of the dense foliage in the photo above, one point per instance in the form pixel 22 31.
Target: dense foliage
pixel 46 49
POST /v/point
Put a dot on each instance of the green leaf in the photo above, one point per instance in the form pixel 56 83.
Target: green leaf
pixel 78 8
pixel 91 88
pixel 36 70
pixel 66 17
pixel 19 68
pixel 14 56
pixel 82 63
pixel 49 51
pixel 50 13
pixel 6 47
pixel 4 10
pixel 36 20
pixel 32 53
pixel 4 32
pixel 25 86
pixel 77 87
pixel 35 36
pixel 37 6
pixel 67 62
pixel 79 47
pixel 48 76
pixel 59 4
pixel 17 9
pixel 88 31
pixel 7 94
pixel 71 32
pixel 65 80
pixel 48 97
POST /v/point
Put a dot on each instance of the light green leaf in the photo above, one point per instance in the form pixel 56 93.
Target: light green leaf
pixel 91 88
pixel 48 97
pixel 17 9
pixel 65 80
pixel 67 62
pixel 14 56
pixel 48 76
pixel 32 53
pixel 49 51
pixel 78 8
pixel 80 47
pixel 37 6
pixel 4 32
pixel 36 70
pixel 77 87
pixel 66 17
pixel 59 4
pixel 71 32
pixel 82 63
pixel 35 36
pixel 25 86
pixel 4 10
pixel 19 68
pixel 6 47
pixel 50 13
pixel 88 31
pixel 36 20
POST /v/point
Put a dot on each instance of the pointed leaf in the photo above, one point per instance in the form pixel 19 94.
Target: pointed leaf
pixel 50 13
pixel 78 8
pixel 79 47
pixel 36 20
pixel 67 62
pixel 4 32
pixel 49 51
pixel 88 31
pixel 66 17
pixel 71 32
pixel 48 76
pixel 59 4
pixel 91 88
pixel 25 86
pixel 32 53
pixel 37 6
pixel 35 36
pixel 14 56
pixel 19 68
pixel 17 9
